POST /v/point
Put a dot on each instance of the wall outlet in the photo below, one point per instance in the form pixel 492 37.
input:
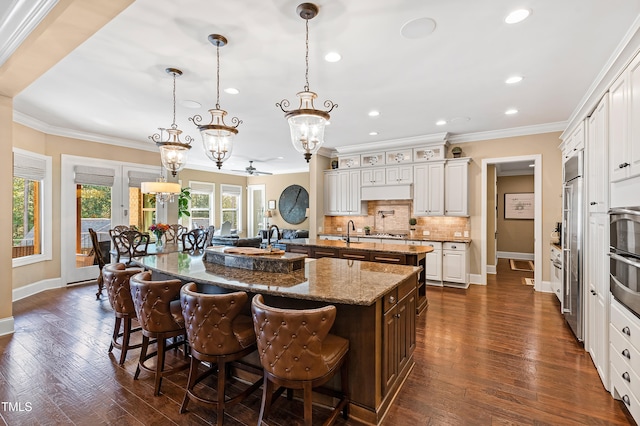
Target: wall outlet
pixel 319 228
pixel 426 233
pixel 457 234
pixel 338 229
pixel 466 234
pixel 359 229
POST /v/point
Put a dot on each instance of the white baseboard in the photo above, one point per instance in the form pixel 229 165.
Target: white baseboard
pixel 6 326
pixel 475 279
pixel 545 287
pixel 515 255
pixel 491 269
pixel 35 288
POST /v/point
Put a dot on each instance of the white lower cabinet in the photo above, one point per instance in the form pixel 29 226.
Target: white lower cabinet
pixel 433 263
pixel 624 335
pixel 555 272
pixel 455 263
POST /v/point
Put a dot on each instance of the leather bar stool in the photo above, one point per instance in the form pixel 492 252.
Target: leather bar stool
pixel 116 278
pixel 297 352
pixel 157 305
pixel 219 335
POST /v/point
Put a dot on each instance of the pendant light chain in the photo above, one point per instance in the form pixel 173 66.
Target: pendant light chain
pixel 174 125
pixel 306 58
pixel 218 76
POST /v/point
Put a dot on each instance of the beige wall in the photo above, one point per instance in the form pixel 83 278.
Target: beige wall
pixel 274 185
pixel 6 214
pixel 514 235
pixel 544 144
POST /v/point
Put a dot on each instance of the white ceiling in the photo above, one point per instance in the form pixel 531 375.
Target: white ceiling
pixel 114 88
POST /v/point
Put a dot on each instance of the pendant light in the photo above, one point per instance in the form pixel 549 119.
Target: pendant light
pixel 173 152
pixel 163 190
pixel 217 137
pixel 307 123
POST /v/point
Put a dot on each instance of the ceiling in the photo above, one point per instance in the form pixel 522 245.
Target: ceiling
pixel 114 88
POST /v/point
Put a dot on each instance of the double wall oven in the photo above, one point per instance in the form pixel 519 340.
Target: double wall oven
pixel 624 254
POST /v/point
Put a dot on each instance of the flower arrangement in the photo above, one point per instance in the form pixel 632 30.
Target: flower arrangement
pixel 158 230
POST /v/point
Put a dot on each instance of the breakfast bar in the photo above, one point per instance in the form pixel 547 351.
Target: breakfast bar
pixel 375 303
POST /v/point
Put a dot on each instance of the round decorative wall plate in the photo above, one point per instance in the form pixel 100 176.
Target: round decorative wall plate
pixel 293 204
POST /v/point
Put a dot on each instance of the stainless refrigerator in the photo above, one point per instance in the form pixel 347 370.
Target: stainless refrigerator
pixel 572 230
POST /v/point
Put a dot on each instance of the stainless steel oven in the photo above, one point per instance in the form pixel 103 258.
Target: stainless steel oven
pixel 624 254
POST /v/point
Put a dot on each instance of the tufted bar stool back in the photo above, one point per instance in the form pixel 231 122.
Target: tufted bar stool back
pixel 297 352
pixel 218 334
pixel 116 278
pixel 157 305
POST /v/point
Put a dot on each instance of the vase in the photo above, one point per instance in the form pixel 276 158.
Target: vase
pixel 158 240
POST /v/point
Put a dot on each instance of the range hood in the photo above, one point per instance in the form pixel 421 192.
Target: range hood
pixel 387 192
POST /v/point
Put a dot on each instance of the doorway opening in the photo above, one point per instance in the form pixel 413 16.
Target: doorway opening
pixel 511 224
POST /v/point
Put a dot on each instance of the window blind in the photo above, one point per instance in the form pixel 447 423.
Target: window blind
pixel 231 190
pixel 136 178
pixel 29 167
pixel 201 187
pixel 88 175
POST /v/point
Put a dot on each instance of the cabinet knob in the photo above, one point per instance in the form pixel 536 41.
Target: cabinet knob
pixel 623 165
pixel 593 203
pixel 627 331
pixel 593 292
pixel 626 400
pixel 626 354
pixel 392 299
pixel 626 376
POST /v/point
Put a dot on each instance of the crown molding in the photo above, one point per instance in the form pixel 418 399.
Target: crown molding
pixel 436 138
pixel 23 17
pixel 508 133
pixel 41 126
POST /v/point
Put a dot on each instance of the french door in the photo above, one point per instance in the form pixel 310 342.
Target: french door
pixel 100 194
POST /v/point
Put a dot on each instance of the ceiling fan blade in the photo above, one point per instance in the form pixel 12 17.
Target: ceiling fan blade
pixel 257 172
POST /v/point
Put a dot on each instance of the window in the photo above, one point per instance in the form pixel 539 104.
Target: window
pixel 201 205
pixel 232 205
pixel 142 207
pixel 31 227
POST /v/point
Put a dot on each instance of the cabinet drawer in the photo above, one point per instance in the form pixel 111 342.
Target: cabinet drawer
pixel 390 300
pixel 626 323
pixel 354 255
pixel 398 259
pixel 623 355
pixel 299 249
pixel 625 393
pixel 435 244
pixel 454 246
pixel 406 288
pixel 324 252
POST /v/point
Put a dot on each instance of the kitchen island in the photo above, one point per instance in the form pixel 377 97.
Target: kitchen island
pixel 390 253
pixel 375 304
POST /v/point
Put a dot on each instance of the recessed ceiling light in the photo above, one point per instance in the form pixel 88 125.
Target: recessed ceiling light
pixel 332 57
pixel 374 113
pixel 511 111
pixel 190 104
pixel 441 122
pixel 373 133
pixel 231 91
pixel 514 79
pixel 517 16
pixel 279 158
pixel 418 28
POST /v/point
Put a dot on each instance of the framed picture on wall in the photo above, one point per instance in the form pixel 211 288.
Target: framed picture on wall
pixel 518 206
pixel 272 204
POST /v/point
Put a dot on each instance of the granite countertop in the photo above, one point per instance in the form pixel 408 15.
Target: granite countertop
pixel 409 238
pixel 361 246
pixel 327 280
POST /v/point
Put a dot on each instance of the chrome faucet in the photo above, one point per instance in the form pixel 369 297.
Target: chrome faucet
pixel 352 227
pixel 269 234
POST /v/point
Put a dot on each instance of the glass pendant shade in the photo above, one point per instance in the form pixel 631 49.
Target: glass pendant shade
pixel 217 138
pixel 173 153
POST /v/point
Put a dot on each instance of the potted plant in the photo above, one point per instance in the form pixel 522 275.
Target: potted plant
pixel 367 230
pixel 413 221
pixel 456 151
pixel 183 203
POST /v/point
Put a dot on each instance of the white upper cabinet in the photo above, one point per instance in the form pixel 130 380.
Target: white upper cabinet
pixel 428 192
pixel 573 143
pixel 598 158
pixel 342 193
pixel 373 177
pixel 456 191
pixel 399 175
pixel 624 127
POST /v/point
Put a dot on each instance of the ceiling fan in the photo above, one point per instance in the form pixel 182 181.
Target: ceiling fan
pixel 252 171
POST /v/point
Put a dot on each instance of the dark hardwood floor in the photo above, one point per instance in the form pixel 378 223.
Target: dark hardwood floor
pixel 495 355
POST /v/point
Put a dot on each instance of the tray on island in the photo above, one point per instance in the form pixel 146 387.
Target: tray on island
pixel 255 259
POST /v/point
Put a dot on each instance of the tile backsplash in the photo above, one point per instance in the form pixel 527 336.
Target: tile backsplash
pixel 387 217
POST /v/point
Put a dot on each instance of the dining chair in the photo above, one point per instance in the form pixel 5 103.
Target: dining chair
pixel 174 233
pixel 225 229
pixel 99 258
pixel 130 244
pixel 194 240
